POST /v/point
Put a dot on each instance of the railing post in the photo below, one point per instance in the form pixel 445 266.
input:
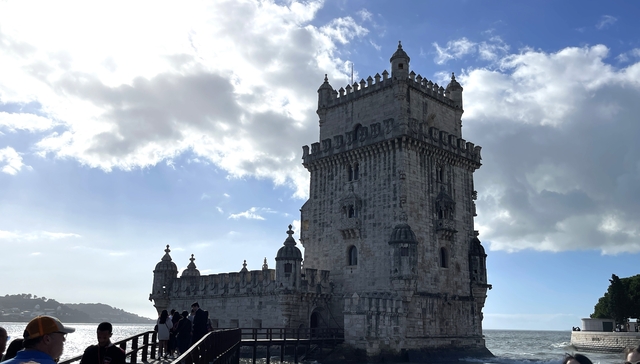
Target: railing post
pixel 145 347
pixel 134 351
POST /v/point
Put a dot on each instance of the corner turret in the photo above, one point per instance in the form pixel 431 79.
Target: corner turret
pixel 400 64
pixel 454 92
pixel 191 270
pixel 288 264
pixel 164 274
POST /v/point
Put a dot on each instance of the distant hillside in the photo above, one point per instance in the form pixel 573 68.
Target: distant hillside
pixel 101 312
pixel 23 307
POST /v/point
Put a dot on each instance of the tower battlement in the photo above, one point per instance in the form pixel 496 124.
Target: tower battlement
pixel 379 83
pixel 388 129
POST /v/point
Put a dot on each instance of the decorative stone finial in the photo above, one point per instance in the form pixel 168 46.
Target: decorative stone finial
pixel 403 217
pixel 264 265
pixel 399 44
pixel 290 232
pixel 325 78
pixel 192 259
pixel 167 250
pixel 453 76
pixel 244 265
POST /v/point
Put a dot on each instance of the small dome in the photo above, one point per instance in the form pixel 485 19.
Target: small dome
pixel 165 263
pixel 191 270
pixel 453 85
pixel 402 233
pixel 289 251
pixel 476 248
pixel 325 84
pixel 400 53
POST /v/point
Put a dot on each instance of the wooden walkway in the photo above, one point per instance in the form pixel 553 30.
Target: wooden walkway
pixel 223 346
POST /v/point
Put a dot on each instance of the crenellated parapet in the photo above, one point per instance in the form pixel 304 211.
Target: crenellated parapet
pixel 254 282
pixel 328 97
pixel 388 129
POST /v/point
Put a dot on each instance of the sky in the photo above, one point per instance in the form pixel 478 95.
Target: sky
pixel 126 126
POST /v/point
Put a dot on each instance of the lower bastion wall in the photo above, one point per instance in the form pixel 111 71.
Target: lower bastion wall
pixel 611 342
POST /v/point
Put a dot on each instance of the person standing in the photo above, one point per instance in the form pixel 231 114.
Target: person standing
pixel 199 323
pixel 43 342
pixel 164 330
pixel 183 333
pixel 104 352
pixel 3 341
pixel 12 350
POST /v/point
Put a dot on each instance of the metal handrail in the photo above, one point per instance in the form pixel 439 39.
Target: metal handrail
pixel 146 350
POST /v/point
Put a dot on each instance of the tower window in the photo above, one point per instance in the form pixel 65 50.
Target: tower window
pixel 288 267
pixel 440 174
pixel 352 212
pixel 404 251
pixel 350 171
pixel 400 66
pixel 356 172
pixel 353 255
pixel 444 258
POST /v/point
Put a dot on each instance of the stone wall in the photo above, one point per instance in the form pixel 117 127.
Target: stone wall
pixel 612 342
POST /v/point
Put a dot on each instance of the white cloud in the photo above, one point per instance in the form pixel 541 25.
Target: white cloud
pixel 24 121
pixel 204 196
pixel 56 236
pixel 37 235
pixel 226 82
pixel 454 50
pixel 343 30
pixel 11 161
pixel 253 213
pixel 561 166
pixel 365 15
pixel 606 21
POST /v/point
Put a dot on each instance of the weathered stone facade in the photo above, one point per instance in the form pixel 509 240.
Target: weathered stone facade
pixel 388 228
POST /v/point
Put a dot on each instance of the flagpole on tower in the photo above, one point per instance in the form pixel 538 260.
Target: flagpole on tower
pixel 352 73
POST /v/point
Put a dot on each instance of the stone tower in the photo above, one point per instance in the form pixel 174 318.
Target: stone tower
pixel 164 275
pixel 390 214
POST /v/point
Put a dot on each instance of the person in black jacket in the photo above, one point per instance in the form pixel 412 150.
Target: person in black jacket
pixel 183 333
pixel 199 323
pixel 104 352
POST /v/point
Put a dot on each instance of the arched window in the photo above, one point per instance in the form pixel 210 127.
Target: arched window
pixel 353 256
pixel 352 212
pixel 440 172
pixel 356 172
pixel 350 173
pixel 444 258
pixel 356 133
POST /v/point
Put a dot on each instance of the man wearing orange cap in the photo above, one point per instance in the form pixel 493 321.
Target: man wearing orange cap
pixel 44 340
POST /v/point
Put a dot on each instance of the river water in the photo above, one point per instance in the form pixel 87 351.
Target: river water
pixel 509 347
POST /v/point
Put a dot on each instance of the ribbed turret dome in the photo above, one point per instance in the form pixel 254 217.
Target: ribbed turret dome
pixel 402 233
pixel 453 85
pixel 289 251
pixel 191 270
pixel 400 53
pixel 165 263
pixel 325 84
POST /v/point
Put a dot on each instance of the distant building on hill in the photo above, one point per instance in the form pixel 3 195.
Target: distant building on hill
pixel 391 254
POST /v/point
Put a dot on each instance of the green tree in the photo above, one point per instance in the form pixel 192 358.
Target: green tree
pixel 618 300
pixel 601 309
